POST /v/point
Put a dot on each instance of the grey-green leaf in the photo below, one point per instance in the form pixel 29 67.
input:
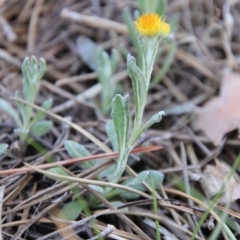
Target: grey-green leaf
pixel 136 183
pixel 139 179
pixel 42 68
pixel 76 150
pixel 32 73
pixel 58 171
pixel 121 116
pixel 6 107
pixel 138 82
pixel 161 7
pixel 71 210
pixel 40 114
pixel 112 135
pixel 167 61
pixel 121 163
pixel 133 33
pixel 21 108
pixel 96 188
pixel 87 50
pixel 3 148
pixel 154 119
pixel 116 204
pixel 114 60
pixel 104 67
pixel 157 177
pixel 129 195
pixel 41 128
pixel 150 6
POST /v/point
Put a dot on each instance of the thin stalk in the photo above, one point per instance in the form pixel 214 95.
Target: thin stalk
pixel 155 208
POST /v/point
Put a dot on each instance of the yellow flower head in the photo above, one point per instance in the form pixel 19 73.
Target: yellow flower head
pixel 151 24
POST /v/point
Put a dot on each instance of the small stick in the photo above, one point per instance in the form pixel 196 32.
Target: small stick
pixel 94 22
pixel 76 160
pixel 79 78
pixel 89 93
pixel 1 202
pixel 106 232
pixel 33 25
pixel 9 58
pixel 7 29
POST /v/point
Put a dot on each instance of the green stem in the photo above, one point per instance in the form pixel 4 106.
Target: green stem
pixel 121 164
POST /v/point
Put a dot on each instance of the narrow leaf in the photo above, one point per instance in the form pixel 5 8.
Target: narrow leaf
pixel 21 108
pixel 121 164
pixel 87 50
pixel 112 135
pixel 154 119
pixel 161 7
pixel 167 62
pixel 136 183
pixel 114 59
pixel 139 179
pixel 133 33
pixel 41 128
pixel 40 114
pixel 121 117
pixel 96 188
pixel 56 170
pixel 76 150
pixel 138 82
pixel 42 68
pixel 6 107
pixel 71 210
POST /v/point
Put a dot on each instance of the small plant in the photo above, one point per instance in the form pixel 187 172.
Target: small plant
pixel 106 66
pixel 28 123
pixel 151 29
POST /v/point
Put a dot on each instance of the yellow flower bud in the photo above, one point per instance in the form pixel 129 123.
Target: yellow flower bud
pixel 151 25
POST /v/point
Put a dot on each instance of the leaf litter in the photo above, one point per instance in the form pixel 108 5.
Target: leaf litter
pixel 215 177
pixel 221 114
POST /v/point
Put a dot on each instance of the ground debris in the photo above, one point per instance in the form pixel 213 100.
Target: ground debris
pixel 221 114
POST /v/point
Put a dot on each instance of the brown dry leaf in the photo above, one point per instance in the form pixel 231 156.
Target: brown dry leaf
pixel 214 176
pixel 221 114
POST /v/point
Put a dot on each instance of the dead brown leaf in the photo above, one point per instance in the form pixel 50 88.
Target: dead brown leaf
pixel 221 114
pixel 214 177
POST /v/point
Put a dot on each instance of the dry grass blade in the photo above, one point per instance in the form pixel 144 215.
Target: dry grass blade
pixel 33 220
pixel 1 202
pixel 211 211
pixel 194 62
pixel 93 182
pixel 89 93
pixel 33 25
pixel 94 22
